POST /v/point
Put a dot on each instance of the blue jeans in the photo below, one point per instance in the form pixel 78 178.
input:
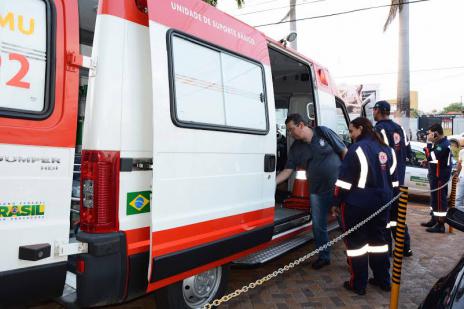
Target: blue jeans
pixel 320 207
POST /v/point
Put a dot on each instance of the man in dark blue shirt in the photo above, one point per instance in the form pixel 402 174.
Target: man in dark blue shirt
pixel 394 136
pixel 319 150
pixel 438 157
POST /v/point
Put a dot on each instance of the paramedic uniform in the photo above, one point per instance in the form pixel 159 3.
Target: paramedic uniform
pixel 394 135
pixel 439 159
pixel 365 184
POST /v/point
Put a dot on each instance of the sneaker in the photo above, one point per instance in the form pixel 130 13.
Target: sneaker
pixel 383 287
pixel 347 286
pixel 407 253
pixel 319 263
pixel 429 223
pixel 437 228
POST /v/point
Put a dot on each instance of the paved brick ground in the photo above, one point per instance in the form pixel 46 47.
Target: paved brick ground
pixel 434 255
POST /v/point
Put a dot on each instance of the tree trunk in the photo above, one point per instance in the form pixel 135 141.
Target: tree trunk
pixel 403 94
pixel 292 17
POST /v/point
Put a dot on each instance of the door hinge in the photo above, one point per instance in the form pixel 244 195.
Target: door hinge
pixel 65 249
pixel 76 61
pixel 131 164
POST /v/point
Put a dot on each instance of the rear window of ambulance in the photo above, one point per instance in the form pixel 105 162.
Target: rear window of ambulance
pixel 25 58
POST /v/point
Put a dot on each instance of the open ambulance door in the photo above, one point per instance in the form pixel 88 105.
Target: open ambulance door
pixel 367 109
pixel 214 141
pixel 38 116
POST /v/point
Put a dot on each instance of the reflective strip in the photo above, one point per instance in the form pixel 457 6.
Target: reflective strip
pixel 364 168
pixel 377 249
pixel 434 158
pixel 439 214
pixel 385 138
pixel 406 140
pixel 301 175
pixel 390 224
pixel 449 158
pixel 343 184
pixel 357 252
pixel 393 167
pixel 395 184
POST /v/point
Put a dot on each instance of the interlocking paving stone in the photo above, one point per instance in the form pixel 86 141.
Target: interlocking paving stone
pixel 303 287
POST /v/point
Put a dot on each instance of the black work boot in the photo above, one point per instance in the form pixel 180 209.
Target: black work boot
pixel 407 253
pixel 348 286
pixel 437 228
pixel 430 223
pixel 383 287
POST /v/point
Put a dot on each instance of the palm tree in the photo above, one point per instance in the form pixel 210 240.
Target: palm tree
pixel 214 2
pixel 403 100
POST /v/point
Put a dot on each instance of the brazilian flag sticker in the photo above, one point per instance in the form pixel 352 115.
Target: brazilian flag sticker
pixel 138 202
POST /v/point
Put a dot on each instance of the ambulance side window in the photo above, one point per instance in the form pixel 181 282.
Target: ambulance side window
pixel 26 59
pixel 214 89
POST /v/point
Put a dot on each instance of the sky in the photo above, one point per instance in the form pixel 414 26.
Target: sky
pixel 356 50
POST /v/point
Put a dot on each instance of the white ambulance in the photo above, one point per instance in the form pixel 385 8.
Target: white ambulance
pixel 180 105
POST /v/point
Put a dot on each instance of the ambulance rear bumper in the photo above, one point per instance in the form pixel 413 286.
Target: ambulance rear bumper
pixel 102 278
pixel 32 284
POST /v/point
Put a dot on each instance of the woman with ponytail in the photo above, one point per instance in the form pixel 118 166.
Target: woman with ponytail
pixel 366 180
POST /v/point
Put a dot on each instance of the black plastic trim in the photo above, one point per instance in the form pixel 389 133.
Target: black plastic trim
pixel 125 164
pixel 34 252
pixel 50 71
pixel 32 284
pixel 138 281
pixel 131 164
pixel 172 89
pixel 175 263
pixel 269 163
pixel 104 279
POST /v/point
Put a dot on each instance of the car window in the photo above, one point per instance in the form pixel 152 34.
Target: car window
pixel 417 157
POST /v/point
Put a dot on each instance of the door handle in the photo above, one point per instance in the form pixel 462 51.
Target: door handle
pixel 269 163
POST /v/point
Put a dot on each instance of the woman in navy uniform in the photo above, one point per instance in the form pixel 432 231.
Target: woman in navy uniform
pixel 366 181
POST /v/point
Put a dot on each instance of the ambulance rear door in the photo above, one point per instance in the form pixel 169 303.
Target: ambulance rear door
pixel 38 110
pixel 214 139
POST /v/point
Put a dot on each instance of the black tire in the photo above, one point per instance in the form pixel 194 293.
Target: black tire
pixel 172 296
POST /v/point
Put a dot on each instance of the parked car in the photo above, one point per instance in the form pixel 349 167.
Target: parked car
pixel 457 137
pixel 448 291
pixel 416 175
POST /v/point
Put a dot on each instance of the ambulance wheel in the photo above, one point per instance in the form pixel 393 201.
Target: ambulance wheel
pixel 196 291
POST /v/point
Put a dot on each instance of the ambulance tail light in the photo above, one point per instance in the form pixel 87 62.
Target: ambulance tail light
pixel 99 191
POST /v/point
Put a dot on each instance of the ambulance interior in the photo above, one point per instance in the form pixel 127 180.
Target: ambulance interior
pixel 87 17
pixel 293 93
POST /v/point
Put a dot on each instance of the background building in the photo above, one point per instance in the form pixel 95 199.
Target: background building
pixel 414 102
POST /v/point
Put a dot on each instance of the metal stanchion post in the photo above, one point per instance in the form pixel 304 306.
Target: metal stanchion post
pixel 452 202
pixel 399 247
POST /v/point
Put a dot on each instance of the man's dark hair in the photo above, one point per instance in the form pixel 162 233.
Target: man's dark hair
pixel 296 118
pixel 436 127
